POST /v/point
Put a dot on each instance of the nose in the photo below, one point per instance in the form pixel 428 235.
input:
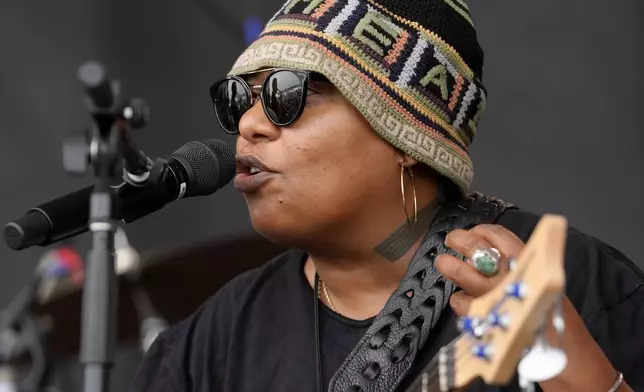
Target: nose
pixel 254 126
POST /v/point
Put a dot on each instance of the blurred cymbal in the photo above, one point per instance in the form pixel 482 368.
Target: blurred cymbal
pixel 177 281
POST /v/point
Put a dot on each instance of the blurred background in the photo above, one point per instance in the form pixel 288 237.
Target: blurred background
pixel 562 132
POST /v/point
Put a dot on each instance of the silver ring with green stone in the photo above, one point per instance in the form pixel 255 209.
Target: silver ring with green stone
pixel 486 261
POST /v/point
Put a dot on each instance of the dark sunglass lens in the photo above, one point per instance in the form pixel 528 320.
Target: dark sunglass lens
pixel 231 101
pixel 282 96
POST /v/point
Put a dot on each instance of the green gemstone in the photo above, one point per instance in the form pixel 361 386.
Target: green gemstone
pixel 486 264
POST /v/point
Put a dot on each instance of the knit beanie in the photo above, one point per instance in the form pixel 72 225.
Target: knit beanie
pixel 413 68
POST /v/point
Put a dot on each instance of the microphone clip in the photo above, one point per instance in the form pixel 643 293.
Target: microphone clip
pixel 111 139
pixel 104 98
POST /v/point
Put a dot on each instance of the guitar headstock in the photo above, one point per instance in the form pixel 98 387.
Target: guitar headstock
pixel 506 320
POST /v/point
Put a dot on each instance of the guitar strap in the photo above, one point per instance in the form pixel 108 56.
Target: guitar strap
pixel 385 354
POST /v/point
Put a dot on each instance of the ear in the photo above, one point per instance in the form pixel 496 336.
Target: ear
pixel 408 161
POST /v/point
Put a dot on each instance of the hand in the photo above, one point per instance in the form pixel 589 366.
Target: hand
pixel 464 274
pixel 582 350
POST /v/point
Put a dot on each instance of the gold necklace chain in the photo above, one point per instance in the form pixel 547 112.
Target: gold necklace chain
pixel 323 290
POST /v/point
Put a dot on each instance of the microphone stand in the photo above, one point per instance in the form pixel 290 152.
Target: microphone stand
pixel 100 291
pixel 100 288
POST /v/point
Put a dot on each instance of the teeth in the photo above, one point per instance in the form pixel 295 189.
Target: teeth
pixel 254 170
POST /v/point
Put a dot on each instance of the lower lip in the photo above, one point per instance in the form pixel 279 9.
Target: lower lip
pixel 246 182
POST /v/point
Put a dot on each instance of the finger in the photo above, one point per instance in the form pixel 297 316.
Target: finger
pixel 465 242
pixel 460 303
pixel 500 238
pixel 463 275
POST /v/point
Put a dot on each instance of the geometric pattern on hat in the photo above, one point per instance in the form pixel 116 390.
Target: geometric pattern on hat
pixel 412 68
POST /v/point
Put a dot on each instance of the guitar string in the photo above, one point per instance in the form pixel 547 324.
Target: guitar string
pixel 434 373
pixel 460 358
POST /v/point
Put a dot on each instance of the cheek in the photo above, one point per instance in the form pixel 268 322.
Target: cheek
pixel 340 160
pixel 329 147
pixel 322 172
pixel 327 194
pixel 341 138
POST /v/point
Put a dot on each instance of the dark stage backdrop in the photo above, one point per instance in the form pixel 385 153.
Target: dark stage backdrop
pixel 562 133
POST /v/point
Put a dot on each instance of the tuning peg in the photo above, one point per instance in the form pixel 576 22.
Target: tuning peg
pixel 516 290
pixel 472 326
pixel 466 324
pixel 482 351
pixel 543 362
pixel 497 320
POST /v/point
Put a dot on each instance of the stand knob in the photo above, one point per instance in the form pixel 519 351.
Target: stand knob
pixel 76 154
pixel 137 113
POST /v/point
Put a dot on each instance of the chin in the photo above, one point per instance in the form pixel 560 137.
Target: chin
pixel 278 226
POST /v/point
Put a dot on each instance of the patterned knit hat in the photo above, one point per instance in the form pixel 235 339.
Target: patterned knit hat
pixel 413 69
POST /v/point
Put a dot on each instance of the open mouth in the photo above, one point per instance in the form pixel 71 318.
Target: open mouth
pixel 250 165
pixel 252 174
pixel 248 170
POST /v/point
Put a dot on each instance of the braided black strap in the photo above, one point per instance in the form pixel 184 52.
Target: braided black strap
pixel 384 356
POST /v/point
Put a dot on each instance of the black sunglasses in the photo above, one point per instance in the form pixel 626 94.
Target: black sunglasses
pixel 283 95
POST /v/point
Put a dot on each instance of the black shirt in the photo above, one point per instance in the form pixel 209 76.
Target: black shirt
pixel 257 332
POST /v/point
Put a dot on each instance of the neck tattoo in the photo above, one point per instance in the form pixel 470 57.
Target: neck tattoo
pixel 399 243
pixel 395 246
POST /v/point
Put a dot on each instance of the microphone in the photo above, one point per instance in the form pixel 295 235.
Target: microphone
pixel 198 168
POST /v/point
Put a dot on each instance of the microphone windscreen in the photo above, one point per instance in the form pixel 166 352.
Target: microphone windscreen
pixel 211 165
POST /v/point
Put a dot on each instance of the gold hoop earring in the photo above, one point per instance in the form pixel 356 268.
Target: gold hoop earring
pixel 402 189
